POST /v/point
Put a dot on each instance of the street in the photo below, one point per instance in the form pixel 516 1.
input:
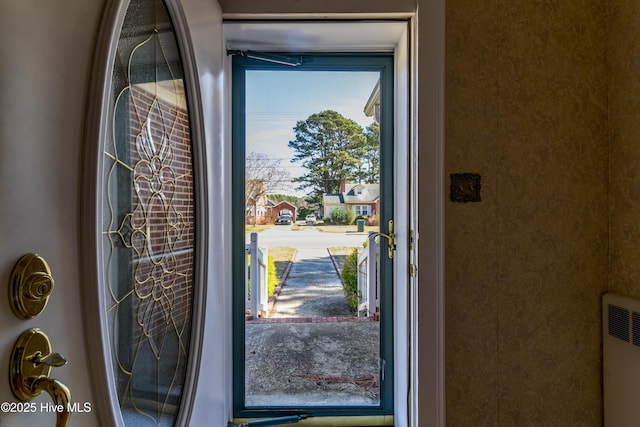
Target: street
pixel 307 237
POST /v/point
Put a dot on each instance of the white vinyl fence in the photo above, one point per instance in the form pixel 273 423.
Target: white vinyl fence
pixel 257 278
pixel 368 278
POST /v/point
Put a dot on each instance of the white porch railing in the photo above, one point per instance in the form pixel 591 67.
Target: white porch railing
pixel 368 278
pixel 256 278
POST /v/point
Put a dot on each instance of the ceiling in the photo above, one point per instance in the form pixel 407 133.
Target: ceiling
pixel 314 36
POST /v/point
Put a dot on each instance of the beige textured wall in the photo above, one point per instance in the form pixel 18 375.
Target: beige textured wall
pixel 623 51
pixel 526 96
pixel 526 107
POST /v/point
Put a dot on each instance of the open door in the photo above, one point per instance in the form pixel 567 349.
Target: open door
pixel 148 217
pixel 336 346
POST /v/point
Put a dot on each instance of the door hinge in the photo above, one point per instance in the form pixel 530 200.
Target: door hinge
pixel 413 270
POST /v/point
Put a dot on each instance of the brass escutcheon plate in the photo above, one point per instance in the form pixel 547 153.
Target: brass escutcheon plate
pixel 30 286
pixel 23 370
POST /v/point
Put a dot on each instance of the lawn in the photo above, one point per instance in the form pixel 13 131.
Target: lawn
pixel 248 228
pixel 346 228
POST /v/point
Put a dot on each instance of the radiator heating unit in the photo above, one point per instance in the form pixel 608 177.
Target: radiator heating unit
pixel 621 360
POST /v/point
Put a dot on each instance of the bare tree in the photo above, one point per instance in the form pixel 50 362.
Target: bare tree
pixel 263 175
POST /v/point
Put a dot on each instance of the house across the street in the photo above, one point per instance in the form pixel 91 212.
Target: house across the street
pixel 364 199
pixel 267 211
pixel 283 208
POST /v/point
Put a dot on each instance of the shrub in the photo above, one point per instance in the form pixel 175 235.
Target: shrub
pixel 337 216
pixel 373 220
pixel 349 215
pixel 273 278
pixel 350 280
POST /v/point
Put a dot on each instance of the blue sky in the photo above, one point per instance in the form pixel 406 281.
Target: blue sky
pixel 276 100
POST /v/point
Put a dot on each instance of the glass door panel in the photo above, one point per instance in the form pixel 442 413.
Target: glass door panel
pixel 313 193
pixel 148 219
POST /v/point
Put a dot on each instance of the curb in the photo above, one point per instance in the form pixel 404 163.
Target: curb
pixel 335 265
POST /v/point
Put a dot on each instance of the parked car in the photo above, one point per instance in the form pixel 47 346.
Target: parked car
pixel 310 219
pixel 284 219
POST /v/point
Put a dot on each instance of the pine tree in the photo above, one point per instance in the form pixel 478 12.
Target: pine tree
pixel 330 147
pixel 370 170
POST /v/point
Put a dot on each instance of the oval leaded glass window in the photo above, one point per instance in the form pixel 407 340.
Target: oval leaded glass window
pixel 148 219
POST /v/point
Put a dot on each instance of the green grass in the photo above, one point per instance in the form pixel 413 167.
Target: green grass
pixel 282 256
pixel 328 228
pixel 248 228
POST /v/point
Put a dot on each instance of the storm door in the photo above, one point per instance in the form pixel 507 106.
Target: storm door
pixel 312 234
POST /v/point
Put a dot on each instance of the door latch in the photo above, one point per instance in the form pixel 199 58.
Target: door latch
pixel 390 236
pixel 31 362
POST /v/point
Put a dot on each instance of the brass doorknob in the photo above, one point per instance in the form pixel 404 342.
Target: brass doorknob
pixel 31 362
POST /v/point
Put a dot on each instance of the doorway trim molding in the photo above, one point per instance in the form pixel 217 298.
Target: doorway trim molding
pixel 425 399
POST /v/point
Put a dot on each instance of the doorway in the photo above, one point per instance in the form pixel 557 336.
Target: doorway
pixel 312 187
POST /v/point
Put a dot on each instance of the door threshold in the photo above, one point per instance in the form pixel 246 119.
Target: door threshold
pixel 353 421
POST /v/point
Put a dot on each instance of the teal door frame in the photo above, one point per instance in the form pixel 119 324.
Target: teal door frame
pixel 383 63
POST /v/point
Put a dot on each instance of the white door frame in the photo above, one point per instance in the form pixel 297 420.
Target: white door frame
pixel 423 340
pixel 342 33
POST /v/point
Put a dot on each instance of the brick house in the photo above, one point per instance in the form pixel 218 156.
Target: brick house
pixel 267 211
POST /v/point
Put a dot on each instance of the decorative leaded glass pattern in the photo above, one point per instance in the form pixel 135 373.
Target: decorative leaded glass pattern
pixel 148 219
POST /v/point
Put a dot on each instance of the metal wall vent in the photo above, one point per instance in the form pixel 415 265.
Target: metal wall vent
pixel 635 328
pixel 618 322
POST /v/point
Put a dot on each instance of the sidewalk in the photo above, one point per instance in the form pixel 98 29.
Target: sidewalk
pixel 312 288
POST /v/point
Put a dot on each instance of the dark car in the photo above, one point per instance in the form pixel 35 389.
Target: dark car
pixel 284 219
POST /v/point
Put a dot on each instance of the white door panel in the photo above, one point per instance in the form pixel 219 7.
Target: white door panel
pixel 46 52
pixel 197 24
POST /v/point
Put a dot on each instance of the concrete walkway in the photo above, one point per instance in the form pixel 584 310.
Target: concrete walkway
pixel 312 288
